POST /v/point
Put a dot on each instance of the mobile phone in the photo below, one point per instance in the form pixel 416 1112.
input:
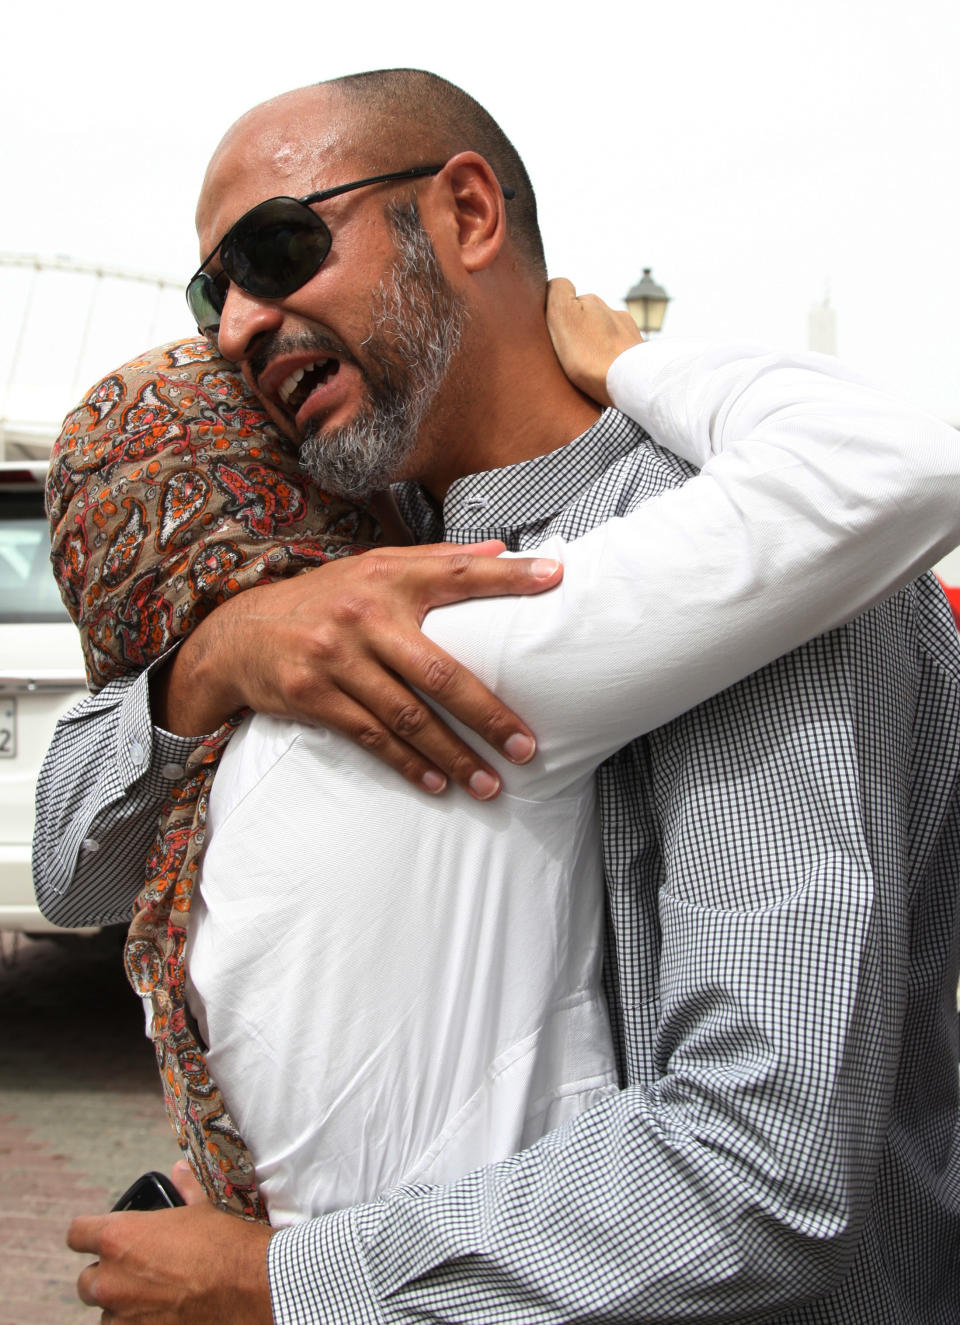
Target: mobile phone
pixel 152 1191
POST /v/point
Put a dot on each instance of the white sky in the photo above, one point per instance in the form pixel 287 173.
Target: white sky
pixel 750 151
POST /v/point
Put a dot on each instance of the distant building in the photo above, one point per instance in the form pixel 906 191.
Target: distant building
pixel 822 327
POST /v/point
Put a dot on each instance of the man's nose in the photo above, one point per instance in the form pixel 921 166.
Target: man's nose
pixel 242 319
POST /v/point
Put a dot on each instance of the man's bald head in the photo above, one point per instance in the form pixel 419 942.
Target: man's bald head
pixel 383 120
pixel 419 112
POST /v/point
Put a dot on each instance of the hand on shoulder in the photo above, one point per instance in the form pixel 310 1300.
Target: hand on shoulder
pixel 587 335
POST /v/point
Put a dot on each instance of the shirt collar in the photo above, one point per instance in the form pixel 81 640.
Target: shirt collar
pixel 522 494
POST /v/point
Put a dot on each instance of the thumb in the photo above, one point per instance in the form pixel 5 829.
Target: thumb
pixel 559 289
pixel 186 1184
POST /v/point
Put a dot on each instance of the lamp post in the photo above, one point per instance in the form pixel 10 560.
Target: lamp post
pixel 647 303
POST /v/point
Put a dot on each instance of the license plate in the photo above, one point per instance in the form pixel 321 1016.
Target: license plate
pixel 8 727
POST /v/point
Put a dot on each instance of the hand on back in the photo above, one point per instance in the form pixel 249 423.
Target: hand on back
pixel 341 647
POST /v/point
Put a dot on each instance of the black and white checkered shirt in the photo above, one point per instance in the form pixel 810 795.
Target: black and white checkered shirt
pixel 782 867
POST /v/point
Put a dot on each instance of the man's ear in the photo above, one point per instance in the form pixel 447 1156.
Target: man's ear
pixel 476 209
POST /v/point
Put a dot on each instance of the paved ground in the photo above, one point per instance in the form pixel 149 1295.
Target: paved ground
pixel 80 1115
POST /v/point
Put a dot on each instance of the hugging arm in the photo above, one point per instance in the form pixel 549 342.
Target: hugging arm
pixel 779 550
pixel 817 497
pixel 112 762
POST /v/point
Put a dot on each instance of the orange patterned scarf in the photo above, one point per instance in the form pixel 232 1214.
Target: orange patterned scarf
pixel 169 492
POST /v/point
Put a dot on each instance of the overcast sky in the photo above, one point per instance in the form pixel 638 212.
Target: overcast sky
pixel 750 152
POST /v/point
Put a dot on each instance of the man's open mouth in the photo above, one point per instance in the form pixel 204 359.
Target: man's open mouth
pixel 295 389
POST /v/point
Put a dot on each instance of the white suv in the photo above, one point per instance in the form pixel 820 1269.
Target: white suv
pixel 41 676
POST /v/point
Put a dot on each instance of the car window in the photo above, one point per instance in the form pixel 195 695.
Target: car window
pixel 28 591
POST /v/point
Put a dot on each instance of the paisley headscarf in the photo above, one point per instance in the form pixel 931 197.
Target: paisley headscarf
pixel 170 491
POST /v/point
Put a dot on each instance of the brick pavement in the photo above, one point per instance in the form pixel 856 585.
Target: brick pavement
pixel 80 1116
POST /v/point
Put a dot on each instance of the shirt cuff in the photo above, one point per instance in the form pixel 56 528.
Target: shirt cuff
pixel 318 1274
pixel 147 754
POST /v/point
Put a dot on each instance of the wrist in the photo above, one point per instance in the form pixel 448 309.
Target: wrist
pixel 190 695
pixel 623 374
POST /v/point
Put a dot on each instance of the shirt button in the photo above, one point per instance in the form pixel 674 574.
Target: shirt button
pixel 136 752
pixel 89 845
pixel 172 770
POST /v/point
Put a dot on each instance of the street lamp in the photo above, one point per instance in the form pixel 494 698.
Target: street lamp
pixel 647 302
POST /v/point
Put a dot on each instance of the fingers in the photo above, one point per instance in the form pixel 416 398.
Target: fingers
pixel 560 290
pixel 469 573
pixel 342 647
pixel 85 1232
pixel 490 547
pixel 431 758
pixel 404 731
pixel 84 1235
pixel 368 693
pixel 86 1285
pixel 587 335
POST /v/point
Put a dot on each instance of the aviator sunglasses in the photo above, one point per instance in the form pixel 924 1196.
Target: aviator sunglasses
pixel 275 248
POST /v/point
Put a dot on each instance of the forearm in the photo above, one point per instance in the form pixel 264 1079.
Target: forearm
pixel 803 438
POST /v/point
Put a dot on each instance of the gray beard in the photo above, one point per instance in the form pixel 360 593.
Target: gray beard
pixel 417 325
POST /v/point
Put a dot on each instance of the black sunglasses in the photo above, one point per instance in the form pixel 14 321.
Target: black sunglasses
pixel 275 248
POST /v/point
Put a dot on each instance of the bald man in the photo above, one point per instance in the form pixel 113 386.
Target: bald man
pixel 781 862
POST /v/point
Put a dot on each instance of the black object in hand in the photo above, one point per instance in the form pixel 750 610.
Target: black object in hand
pixel 153 1191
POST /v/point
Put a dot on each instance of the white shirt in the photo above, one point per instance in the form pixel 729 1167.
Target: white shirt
pixel 396 988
